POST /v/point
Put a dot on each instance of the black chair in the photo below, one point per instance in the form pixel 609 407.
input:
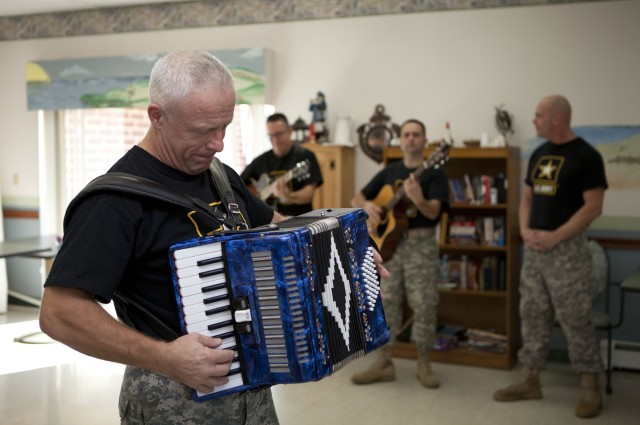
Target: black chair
pixel 602 284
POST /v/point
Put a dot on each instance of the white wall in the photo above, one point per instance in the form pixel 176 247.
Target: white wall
pixel 439 66
pixel 3 267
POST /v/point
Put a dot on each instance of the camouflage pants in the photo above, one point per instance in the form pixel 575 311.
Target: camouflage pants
pixel 148 398
pixel 555 284
pixel 413 269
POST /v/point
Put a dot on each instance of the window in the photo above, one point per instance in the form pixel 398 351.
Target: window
pixel 92 140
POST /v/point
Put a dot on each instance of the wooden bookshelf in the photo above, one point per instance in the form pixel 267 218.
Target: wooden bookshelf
pixel 495 310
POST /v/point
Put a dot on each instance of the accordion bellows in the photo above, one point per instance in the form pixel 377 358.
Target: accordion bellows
pixel 296 301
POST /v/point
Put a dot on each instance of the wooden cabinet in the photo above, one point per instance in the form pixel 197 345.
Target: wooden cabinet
pixel 485 307
pixel 337 167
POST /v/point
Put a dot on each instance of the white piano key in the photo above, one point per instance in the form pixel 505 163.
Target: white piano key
pixel 208 257
pixel 193 251
pixel 234 365
pixel 200 298
pixel 202 288
pixel 196 270
pixel 221 331
pixel 234 381
pixel 201 308
pixel 196 317
pixel 228 343
pixel 210 320
pixel 195 280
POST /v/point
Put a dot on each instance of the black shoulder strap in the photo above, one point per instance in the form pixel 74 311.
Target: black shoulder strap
pixel 221 183
pixel 125 305
pixel 128 183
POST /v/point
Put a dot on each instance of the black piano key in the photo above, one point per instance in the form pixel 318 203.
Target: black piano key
pixel 220 325
pixel 217 310
pixel 234 371
pixel 211 288
pixel 208 261
pixel 215 299
pixel 211 273
pixel 226 335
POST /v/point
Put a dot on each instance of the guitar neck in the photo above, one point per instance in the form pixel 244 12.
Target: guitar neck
pixel 269 190
pixel 397 196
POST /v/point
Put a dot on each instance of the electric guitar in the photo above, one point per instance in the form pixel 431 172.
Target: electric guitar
pixel 387 232
pixel 265 188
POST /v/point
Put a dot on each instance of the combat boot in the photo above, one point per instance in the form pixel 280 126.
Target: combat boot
pixel 381 371
pixel 591 402
pixel 526 388
pixel 424 373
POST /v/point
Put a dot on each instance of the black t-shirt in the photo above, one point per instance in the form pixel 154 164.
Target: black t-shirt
pixel 268 163
pixel 558 176
pixel 119 241
pixel 434 184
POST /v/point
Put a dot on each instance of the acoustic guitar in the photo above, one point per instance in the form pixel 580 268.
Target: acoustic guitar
pixel 265 188
pixel 394 221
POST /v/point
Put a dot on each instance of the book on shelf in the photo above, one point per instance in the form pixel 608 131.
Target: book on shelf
pixel 469 189
pixel 485 333
pixel 457 193
pixel 449 273
pixel 502 274
pixel 481 273
pixel 491 347
pixel 475 272
pixel 485 340
pixel 472 273
pixel 499 230
pixel 463 230
pixel 491 273
pixel 448 336
pixel 501 184
pixel 479 189
pixel 487 184
pixel 488 231
pixel 464 272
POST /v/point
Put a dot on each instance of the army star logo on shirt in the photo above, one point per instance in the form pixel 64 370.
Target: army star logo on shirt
pixel 545 175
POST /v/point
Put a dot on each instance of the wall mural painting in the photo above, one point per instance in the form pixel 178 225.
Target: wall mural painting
pixel 122 81
pixel 620 149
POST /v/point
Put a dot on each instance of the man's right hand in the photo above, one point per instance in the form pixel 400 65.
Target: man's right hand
pixel 374 211
pixel 195 360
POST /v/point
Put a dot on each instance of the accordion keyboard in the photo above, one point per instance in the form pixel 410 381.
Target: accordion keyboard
pixel 206 304
pixel 205 300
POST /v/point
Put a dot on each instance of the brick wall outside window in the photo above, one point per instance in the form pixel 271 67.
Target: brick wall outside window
pixel 94 139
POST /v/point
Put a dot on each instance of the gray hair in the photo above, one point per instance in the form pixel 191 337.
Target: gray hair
pixel 177 74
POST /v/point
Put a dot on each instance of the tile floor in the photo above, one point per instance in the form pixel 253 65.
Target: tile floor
pixel 47 383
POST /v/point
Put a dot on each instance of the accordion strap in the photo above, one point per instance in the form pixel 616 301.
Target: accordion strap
pixel 131 184
pixel 221 183
pixel 125 304
pixel 128 183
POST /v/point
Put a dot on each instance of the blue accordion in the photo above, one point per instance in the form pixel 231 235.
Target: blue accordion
pixel 296 301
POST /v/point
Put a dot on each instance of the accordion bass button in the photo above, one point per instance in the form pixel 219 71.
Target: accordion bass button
pixel 243 328
pixel 241 316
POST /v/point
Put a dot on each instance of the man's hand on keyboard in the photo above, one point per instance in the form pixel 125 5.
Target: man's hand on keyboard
pixel 196 361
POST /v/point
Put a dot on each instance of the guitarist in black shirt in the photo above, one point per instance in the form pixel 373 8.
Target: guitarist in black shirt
pixel 287 175
pixel 414 262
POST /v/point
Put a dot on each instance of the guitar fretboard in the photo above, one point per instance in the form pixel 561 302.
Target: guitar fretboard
pixel 434 160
